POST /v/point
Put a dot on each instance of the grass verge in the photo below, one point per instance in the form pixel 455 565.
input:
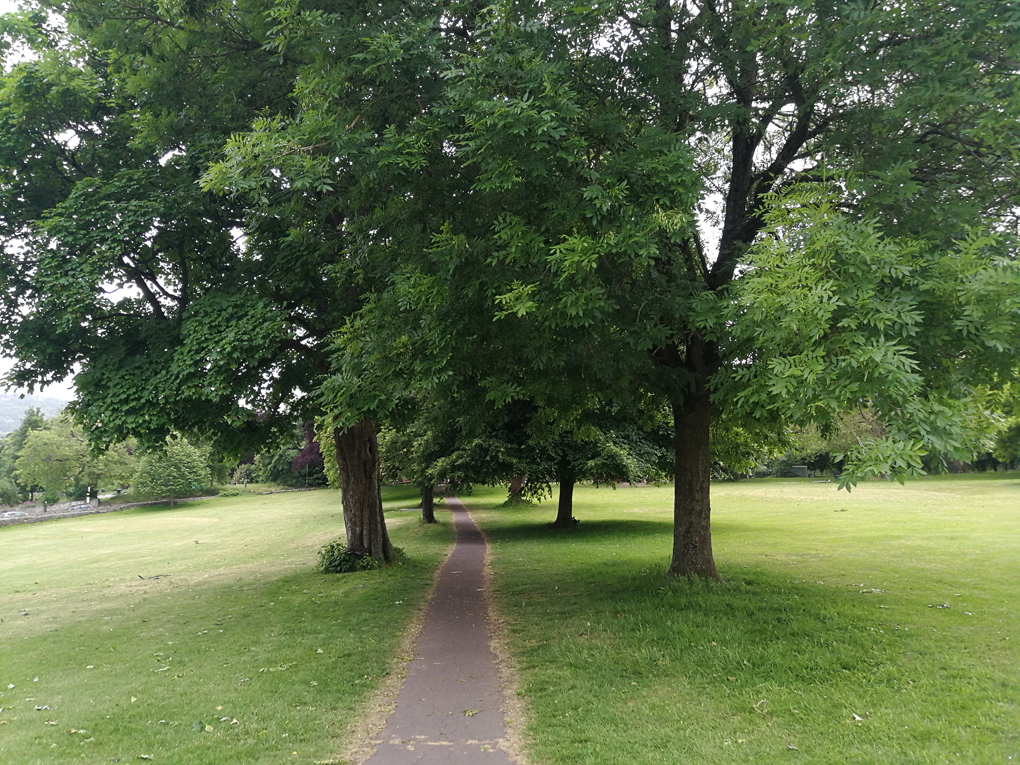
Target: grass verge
pixel 197 634
pixel 876 627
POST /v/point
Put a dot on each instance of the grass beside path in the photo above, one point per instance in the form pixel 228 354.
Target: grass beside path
pixel 875 627
pixel 197 634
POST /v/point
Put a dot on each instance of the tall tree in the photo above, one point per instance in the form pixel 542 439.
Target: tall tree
pixel 174 308
pixel 852 242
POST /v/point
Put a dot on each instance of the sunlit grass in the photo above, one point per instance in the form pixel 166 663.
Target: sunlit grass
pixel 876 627
pixel 197 634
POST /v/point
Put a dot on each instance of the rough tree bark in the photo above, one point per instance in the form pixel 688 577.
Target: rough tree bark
pixel 565 509
pixel 515 494
pixel 692 510
pixel 357 457
pixel 428 507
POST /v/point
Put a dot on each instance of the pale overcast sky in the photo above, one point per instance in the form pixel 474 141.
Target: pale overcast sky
pixel 63 392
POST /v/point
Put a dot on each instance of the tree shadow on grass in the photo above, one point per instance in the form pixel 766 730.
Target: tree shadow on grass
pixel 585 531
pixel 619 530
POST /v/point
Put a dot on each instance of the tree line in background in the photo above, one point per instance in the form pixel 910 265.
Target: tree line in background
pixel 49 459
pixel 518 231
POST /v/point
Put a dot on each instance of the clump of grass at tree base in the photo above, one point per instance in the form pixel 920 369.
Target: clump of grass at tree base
pixel 145 626
pixel 877 627
pixel 335 558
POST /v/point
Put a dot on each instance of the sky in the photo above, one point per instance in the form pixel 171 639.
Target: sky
pixel 63 392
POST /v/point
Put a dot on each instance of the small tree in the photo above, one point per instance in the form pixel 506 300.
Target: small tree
pixel 12 444
pixel 9 494
pixel 178 470
pixel 57 458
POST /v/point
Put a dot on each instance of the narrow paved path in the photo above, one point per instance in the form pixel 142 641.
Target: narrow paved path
pixel 449 710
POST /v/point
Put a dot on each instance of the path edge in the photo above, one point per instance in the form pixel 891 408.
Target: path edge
pixel 365 729
pixel 515 708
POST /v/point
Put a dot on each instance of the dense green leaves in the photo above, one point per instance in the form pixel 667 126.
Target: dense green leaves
pixel 56 458
pixel 177 470
pixel 754 212
pixel 833 315
pixel 117 267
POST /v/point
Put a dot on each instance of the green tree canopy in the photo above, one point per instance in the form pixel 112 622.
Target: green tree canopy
pixel 176 310
pixel 759 211
pixel 57 457
pixel 756 212
pixel 176 470
pixel 14 442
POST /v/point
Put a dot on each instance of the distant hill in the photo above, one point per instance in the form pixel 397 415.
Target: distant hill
pixel 12 409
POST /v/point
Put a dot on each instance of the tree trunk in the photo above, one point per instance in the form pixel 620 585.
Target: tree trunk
pixel 357 457
pixel 692 531
pixel 516 486
pixel 428 509
pixel 565 509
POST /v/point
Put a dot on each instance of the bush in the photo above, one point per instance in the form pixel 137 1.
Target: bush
pixel 177 470
pixel 9 494
pixel 335 558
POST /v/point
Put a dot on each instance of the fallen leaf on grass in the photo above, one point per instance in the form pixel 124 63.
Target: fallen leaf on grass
pixel 281 668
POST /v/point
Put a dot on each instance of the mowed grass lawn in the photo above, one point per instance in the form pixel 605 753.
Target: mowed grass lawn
pixel 875 627
pixel 198 634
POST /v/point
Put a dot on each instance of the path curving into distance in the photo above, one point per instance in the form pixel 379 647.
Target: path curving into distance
pixel 449 710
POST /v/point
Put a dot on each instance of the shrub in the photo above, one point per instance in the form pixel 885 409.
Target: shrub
pixel 9 494
pixel 177 470
pixel 335 558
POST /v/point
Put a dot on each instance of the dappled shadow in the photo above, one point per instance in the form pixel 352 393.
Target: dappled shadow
pixel 592 530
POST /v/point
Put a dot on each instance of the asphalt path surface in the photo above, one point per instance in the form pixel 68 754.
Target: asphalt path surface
pixel 449 710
